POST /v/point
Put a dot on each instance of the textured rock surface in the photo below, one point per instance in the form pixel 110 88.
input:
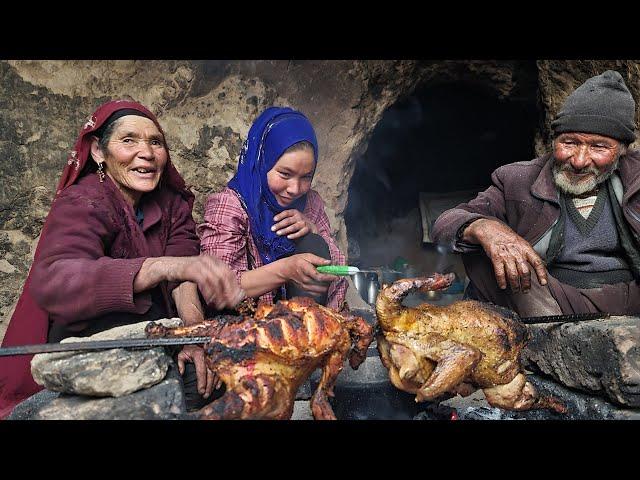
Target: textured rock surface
pixel 580 406
pixel 111 373
pixel 164 401
pixel 114 373
pixel 600 356
pixel 28 408
pixel 207 107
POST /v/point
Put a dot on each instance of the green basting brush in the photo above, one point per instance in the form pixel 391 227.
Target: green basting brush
pixel 342 270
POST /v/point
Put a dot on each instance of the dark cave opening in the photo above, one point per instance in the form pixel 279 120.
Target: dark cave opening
pixel 443 141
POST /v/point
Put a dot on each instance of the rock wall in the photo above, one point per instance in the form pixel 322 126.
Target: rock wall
pixel 206 108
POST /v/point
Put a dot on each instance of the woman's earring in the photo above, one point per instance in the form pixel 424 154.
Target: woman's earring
pixel 100 172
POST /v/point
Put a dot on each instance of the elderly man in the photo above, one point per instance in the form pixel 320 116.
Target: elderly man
pixel 559 234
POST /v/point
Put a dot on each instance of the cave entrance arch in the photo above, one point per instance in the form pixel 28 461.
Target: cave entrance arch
pixel 443 140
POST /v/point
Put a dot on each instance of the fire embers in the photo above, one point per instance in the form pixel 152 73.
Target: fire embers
pixel 432 351
pixel 263 359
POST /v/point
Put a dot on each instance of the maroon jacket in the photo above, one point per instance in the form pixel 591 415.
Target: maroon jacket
pixel 90 249
pixel 95 248
pixel 524 196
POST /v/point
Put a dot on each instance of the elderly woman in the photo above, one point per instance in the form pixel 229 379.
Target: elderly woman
pixel 268 225
pixel 119 246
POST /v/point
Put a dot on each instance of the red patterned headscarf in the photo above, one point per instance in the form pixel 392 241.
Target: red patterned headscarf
pixel 29 323
pixel 80 154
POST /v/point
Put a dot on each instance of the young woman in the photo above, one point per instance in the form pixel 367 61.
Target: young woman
pixel 268 225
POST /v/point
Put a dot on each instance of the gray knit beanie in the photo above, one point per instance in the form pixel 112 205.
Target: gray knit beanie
pixel 601 105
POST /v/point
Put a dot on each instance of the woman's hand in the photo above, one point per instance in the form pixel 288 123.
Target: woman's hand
pixel 207 380
pixel 216 282
pixel 293 223
pixel 510 254
pixel 301 269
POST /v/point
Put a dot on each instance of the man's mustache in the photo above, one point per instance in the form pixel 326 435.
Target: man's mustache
pixel 566 167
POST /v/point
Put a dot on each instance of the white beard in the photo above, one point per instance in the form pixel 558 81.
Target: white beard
pixel 566 185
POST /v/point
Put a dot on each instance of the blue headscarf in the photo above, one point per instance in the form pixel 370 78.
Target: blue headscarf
pixel 275 130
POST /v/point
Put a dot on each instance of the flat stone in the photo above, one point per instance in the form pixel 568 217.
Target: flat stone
pixel 164 401
pixel 109 373
pixel 598 357
pixel 116 372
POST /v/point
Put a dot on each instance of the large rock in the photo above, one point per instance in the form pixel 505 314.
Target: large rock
pixel 28 408
pixel 599 357
pixel 164 401
pixel 115 373
pixel 580 406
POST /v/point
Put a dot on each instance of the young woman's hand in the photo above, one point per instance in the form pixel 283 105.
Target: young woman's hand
pixel 301 269
pixel 293 223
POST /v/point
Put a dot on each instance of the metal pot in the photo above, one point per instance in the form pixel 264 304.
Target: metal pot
pixel 372 288
pixel 367 394
pixel 359 281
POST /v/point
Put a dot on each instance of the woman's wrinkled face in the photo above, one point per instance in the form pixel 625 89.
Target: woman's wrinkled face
pixel 290 178
pixel 135 157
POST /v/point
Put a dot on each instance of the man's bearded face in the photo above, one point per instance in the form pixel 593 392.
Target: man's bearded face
pixel 583 161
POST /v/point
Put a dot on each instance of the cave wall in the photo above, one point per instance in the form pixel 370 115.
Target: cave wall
pixel 206 109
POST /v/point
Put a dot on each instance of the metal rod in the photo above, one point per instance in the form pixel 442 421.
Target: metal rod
pixel 101 345
pixel 571 317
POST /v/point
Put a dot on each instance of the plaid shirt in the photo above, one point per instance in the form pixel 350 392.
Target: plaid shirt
pixel 226 233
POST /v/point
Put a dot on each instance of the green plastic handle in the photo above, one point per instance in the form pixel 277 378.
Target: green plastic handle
pixel 338 269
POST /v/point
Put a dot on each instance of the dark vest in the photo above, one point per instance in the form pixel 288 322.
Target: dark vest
pixel 599 250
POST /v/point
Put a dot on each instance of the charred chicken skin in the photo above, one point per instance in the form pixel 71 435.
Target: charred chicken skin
pixel 434 350
pixel 263 359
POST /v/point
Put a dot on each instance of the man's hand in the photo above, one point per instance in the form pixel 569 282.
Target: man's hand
pixel 207 380
pixel 301 269
pixel 293 223
pixel 510 254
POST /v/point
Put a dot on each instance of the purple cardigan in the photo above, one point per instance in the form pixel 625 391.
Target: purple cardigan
pixel 524 196
pixel 95 248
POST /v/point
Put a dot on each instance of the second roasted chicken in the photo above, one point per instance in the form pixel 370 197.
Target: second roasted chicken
pixel 434 350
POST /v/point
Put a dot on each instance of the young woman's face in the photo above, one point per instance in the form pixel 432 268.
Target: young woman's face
pixel 135 156
pixel 290 178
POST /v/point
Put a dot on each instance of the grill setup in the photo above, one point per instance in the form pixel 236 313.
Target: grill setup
pixel 367 393
pixel 590 350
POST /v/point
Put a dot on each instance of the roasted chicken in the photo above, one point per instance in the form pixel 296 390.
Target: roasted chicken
pixel 263 359
pixel 432 351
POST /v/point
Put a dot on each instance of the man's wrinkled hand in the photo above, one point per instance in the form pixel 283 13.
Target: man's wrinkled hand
pixel 511 255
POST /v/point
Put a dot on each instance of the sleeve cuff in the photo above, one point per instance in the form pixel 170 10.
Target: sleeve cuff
pixel 116 290
pixel 459 245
